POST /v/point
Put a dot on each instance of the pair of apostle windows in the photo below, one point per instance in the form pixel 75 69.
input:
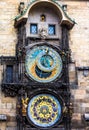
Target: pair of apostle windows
pixel 34 29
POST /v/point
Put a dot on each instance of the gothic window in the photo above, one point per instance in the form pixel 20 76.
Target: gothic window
pixel 33 28
pixel 9 73
pixel 51 29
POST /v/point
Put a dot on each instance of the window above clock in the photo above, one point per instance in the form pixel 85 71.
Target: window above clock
pixel 51 29
pixel 33 28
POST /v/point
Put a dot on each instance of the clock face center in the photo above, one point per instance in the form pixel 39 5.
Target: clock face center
pixel 44 109
pixel 46 61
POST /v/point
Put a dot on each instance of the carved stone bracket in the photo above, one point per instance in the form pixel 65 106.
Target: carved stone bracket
pixel 10 90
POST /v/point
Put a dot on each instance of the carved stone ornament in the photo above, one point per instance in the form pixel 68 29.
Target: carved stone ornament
pixel 43 33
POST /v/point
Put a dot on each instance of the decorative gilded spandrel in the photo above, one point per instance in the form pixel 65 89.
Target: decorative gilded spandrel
pixel 24 105
pixel 43 64
pixel 44 110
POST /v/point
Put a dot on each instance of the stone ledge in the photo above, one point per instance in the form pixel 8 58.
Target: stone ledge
pixel 45 129
pixel 11 128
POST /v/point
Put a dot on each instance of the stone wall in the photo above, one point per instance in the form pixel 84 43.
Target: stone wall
pixel 8 107
pixel 8 39
pixel 79 44
pixel 79 40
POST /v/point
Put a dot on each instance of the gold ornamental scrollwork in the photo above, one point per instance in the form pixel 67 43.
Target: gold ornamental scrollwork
pixel 24 105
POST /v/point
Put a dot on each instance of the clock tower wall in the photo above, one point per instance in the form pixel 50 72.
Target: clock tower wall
pixel 47 29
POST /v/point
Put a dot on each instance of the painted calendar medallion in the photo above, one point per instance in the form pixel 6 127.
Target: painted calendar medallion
pixel 44 110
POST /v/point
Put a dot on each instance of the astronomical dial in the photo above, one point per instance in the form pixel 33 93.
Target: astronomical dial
pixel 44 110
pixel 43 64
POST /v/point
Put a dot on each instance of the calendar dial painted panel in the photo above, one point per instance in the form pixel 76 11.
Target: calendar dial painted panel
pixel 44 110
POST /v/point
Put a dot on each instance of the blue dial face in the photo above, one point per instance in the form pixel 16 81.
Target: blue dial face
pixel 44 110
pixel 43 64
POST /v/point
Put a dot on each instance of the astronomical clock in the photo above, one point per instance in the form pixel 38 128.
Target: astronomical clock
pixel 40 68
pixel 43 67
pixel 43 63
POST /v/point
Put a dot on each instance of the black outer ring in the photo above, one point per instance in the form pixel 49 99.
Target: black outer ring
pixel 45 91
pixel 57 49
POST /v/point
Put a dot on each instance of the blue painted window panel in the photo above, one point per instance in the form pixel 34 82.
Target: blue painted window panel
pixel 51 29
pixel 9 73
pixel 33 29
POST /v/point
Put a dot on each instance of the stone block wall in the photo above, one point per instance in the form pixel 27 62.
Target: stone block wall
pixel 8 37
pixel 79 45
pixel 79 40
pixel 8 40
